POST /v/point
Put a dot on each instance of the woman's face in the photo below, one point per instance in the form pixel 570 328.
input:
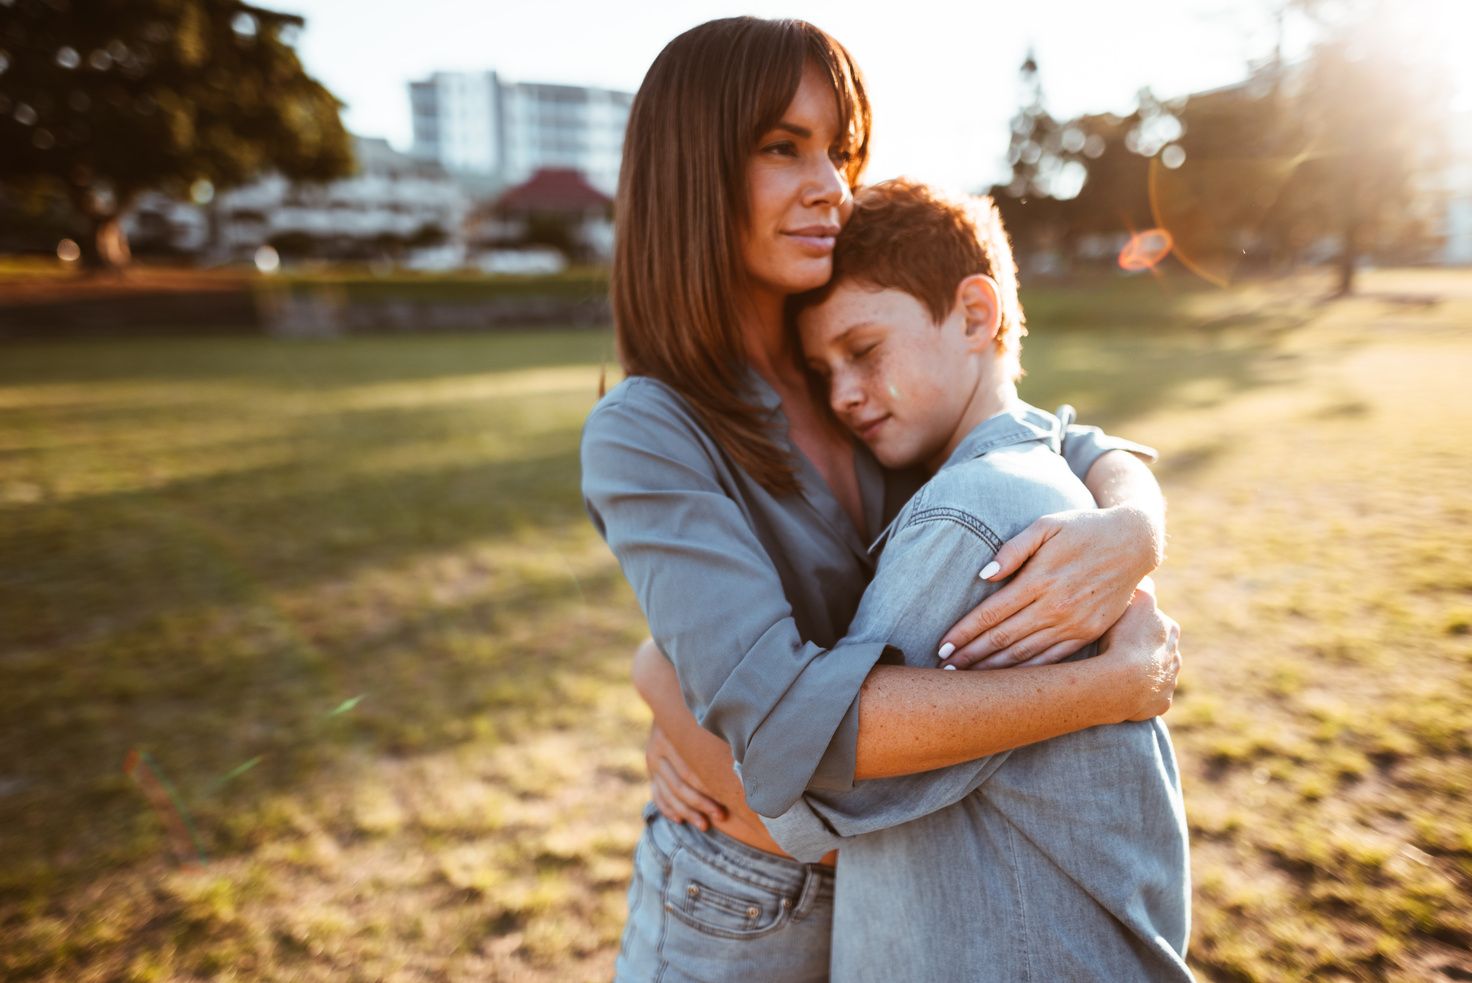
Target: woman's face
pixel 798 194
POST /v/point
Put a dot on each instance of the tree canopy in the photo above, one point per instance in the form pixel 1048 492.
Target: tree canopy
pixel 1327 156
pixel 103 99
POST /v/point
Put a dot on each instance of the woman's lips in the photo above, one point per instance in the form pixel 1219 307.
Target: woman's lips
pixel 819 238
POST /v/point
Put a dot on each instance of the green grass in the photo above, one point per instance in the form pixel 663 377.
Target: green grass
pixel 207 547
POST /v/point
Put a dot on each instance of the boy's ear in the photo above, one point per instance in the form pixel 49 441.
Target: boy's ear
pixel 980 301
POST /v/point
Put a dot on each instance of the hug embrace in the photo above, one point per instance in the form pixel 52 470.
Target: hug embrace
pixel 825 492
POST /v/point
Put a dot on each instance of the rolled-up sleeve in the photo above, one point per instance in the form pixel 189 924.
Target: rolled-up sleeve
pixel 1082 446
pixel 652 484
pixel 926 583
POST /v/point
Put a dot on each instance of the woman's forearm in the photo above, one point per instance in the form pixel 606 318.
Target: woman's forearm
pixel 913 720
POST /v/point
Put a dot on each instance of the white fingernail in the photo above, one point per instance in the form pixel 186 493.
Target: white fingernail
pixel 952 668
pixel 946 650
pixel 990 570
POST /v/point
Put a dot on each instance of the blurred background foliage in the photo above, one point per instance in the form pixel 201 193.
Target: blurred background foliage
pixel 104 100
pixel 1252 177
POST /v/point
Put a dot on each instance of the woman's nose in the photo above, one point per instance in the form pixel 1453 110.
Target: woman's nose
pixel 826 184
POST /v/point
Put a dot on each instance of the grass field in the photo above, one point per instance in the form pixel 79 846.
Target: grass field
pixel 209 549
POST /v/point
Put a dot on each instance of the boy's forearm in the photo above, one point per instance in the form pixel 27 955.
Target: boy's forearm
pixel 913 720
pixel 1120 481
pixel 706 754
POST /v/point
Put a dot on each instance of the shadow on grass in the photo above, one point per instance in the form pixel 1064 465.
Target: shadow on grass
pixel 1162 360
pixel 271 363
pixel 246 565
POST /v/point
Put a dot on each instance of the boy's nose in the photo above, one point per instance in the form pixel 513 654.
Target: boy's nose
pixel 843 394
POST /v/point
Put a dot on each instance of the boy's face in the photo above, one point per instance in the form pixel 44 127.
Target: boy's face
pixel 895 378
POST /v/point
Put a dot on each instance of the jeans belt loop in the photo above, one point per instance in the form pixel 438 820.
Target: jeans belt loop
pixel 811 879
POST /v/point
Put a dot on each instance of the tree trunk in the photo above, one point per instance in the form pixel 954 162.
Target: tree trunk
pixel 106 249
pixel 1349 255
pixel 111 243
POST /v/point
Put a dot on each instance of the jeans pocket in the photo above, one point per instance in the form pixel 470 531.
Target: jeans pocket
pixel 711 900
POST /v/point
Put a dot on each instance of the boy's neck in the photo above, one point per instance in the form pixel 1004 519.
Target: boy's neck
pixel 995 393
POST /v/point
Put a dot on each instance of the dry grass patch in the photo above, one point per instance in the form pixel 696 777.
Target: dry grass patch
pixel 208 547
pixel 1318 563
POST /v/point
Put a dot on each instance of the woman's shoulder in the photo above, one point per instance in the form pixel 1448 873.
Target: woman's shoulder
pixel 641 394
pixel 640 398
pixel 643 411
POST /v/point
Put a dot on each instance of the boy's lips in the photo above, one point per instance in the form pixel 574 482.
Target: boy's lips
pixel 868 428
pixel 816 237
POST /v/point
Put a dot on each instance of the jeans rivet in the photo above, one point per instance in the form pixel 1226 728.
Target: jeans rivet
pixel 786 903
pixel 669 907
pixel 692 890
pixel 753 911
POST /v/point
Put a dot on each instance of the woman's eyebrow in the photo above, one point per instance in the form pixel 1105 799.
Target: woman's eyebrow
pixel 798 131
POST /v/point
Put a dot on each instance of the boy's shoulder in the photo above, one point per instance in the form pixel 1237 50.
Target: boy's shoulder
pixel 1007 472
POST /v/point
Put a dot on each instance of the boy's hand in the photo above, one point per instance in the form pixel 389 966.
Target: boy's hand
pixel 1078 571
pixel 676 790
pixel 1150 642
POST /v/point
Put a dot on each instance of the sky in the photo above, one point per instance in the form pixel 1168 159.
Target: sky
pixel 942 76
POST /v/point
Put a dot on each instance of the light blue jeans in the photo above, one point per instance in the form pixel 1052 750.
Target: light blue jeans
pixel 704 908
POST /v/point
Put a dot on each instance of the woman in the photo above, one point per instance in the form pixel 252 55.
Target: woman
pixel 740 511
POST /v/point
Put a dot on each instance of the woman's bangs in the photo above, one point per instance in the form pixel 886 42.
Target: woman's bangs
pixel 848 89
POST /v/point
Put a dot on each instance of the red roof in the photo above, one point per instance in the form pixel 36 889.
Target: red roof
pixel 554 189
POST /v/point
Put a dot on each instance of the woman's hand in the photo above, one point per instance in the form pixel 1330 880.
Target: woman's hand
pixel 1146 643
pixel 1078 572
pixel 676 790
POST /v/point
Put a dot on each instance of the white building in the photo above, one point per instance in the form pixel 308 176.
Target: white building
pixel 476 123
pixel 393 201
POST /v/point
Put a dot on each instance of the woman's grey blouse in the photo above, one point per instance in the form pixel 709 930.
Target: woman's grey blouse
pixel 747 593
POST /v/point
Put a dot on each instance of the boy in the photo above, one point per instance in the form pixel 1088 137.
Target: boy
pixel 1064 860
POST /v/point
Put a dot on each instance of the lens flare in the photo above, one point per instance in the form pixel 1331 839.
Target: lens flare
pixel 1145 250
pixel 1214 207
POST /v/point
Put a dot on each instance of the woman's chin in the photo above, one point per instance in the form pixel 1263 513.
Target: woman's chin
pixel 806 273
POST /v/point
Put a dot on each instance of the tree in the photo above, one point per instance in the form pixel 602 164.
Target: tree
pixel 1372 105
pixel 1079 177
pixel 103 99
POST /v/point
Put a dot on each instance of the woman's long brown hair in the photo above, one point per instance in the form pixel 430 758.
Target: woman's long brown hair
pixel 677 273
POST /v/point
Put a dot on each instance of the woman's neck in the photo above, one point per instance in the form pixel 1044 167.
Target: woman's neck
pixel 768 346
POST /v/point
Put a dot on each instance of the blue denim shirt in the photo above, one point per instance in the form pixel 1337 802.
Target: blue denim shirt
pixel 749 593
pixel 1063 860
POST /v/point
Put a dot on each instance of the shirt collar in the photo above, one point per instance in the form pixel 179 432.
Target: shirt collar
pixel 760 390
pixel 1018 424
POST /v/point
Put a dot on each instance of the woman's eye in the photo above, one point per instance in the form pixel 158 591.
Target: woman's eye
pixel 782 147
pixel 861 352
pixel 841 156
